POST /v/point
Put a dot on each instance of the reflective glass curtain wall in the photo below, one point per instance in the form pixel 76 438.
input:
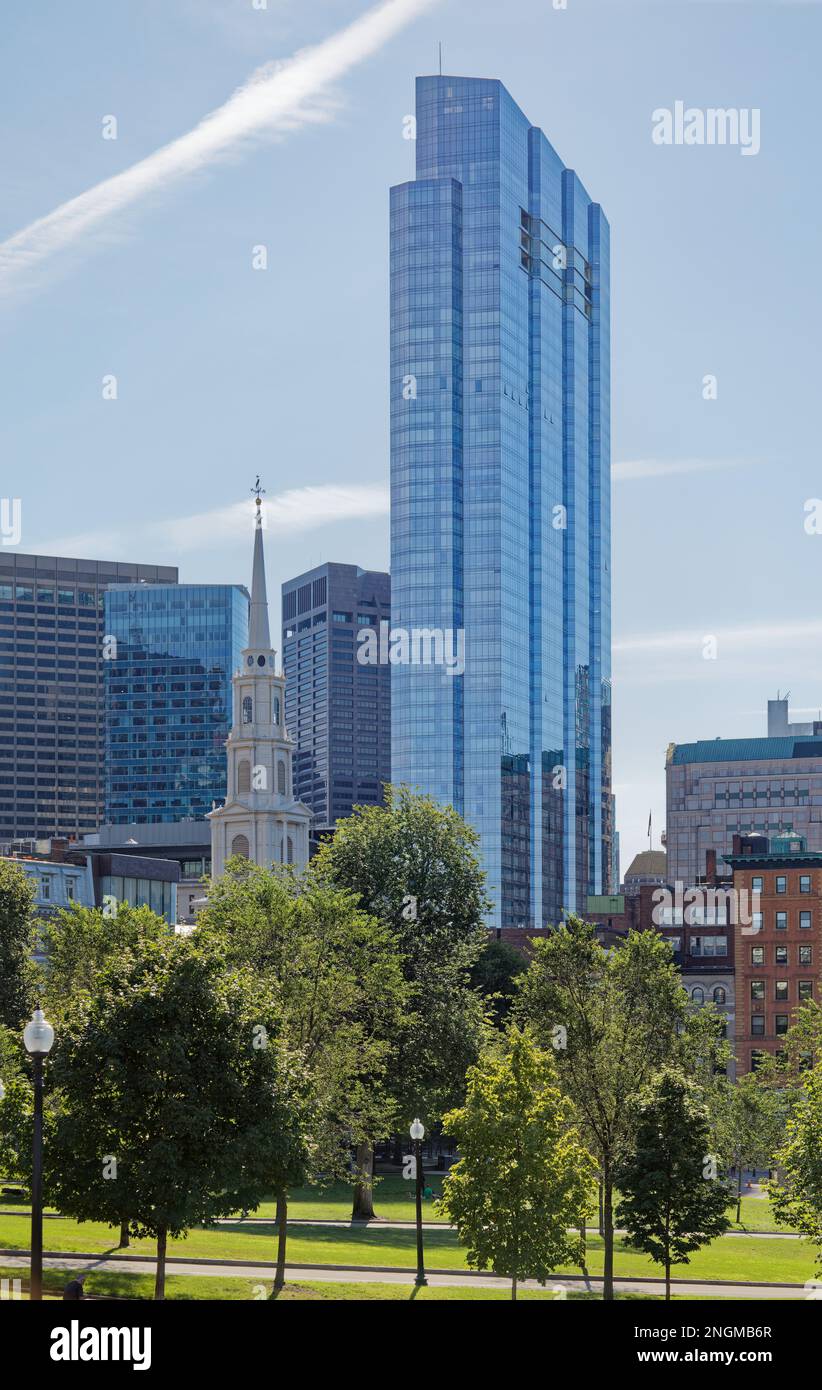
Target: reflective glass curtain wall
pixel 168 698
pixel 500 494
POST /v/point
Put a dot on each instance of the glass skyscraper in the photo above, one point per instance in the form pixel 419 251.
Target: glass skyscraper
pixel 168 697
pixel 500 494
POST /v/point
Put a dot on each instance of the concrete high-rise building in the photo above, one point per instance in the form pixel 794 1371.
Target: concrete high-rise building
pixel 500 495
pixel 337 708
pixel 51 690
pixel 717 788
pixel 172 652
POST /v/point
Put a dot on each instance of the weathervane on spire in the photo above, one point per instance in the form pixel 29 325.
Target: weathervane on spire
pixel 259 492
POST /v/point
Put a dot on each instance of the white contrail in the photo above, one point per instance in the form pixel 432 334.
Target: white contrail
pixel 273 98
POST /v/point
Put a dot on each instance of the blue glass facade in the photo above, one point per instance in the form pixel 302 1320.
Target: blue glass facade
pixel 168 697
pixel 500 494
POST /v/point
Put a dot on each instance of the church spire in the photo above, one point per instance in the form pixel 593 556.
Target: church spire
pixel 259 638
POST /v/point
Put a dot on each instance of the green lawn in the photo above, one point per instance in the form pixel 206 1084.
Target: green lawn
pixel 730 1257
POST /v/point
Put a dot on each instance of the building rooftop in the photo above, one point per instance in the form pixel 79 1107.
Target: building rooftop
pixel 649 863
pixel 743 750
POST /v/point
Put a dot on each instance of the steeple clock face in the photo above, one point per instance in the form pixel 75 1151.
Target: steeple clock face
pixel 251 661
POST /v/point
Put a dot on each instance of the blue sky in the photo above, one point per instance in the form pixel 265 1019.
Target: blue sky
pixel 223 371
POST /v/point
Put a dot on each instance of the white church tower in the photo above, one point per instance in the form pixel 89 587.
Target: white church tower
pixel 260 819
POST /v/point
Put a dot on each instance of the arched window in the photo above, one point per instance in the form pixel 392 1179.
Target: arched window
pixel 719 995
pixel 277 710
pixel 290 850
pixel 244 776
pixel 698 995
pixel 248 710
pixel 239 845
pixel 281 777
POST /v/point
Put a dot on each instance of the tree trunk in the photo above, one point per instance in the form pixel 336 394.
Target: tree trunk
pixel 514 1289
pixel 363 1205
pixel 160 1277
pixel 282 1232
pixel 583 1235
pixel 608 1234
pixel 667 1281
pixel 124 1236
pixel 599 1210
pixel 739 1196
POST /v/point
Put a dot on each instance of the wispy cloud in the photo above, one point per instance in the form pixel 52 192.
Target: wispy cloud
pixel 733 639
pixel 626 470
pixel 289 513
pixel 276 98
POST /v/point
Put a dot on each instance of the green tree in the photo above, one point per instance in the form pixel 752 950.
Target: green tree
pixel 415 865
pixel 523 1177
pixel 750 1126
pixel 17 897
pixel 335 973
pixel 797 1196
pixel 672 1200
pixel 81 941
pixel 495 974
pixel 613 1018
pixel 180 1101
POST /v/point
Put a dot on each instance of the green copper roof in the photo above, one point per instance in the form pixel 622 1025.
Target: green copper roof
pixel 746 750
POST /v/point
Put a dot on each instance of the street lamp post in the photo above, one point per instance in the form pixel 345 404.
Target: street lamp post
pixel 38 1037
pixel 418 1134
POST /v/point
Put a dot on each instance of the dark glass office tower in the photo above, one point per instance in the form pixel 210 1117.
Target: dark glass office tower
pixel 337 708
pixel 51 697
pixel 500 494
pixel 168 698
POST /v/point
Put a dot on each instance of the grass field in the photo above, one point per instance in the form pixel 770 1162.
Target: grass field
pixel 731 1257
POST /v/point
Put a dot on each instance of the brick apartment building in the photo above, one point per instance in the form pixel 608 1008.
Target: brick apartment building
pixel 778 955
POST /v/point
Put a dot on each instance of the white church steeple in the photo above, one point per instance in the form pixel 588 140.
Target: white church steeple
pixel 260 819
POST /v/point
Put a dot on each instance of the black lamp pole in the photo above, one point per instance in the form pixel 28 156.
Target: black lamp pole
pixel 38 1036
pixel 417 1133
pixel 36 1290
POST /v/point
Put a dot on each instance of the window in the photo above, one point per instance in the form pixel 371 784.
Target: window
pixel 244 776
pixel 781 1025
pixel 757 955
pixel 239 845
pixel 248 710
pixel 45 889
pixel 281 779
pixel 805 990
pixel 781 883
pixel 719 995
pixel 805 921
pixel 805 955
pixel 757 989
pixel 780 955
pixel 757 921
pixel 756 883
pixel 781 921
pixel 71 886
pixel 341 617
pixel 698 995
pixel 780 990
pixel 758 1025
pixel 804 883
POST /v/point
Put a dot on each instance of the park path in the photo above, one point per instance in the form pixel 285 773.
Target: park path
pixel 262 1272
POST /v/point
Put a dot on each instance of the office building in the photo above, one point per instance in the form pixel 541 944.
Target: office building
pixel 51 697
pixel 778 952
pixel 500 496
pixel 721 787
pixel 172 651
pixel 337 707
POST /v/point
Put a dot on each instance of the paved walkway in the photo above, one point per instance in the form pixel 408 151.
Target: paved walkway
pixel 261 1272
